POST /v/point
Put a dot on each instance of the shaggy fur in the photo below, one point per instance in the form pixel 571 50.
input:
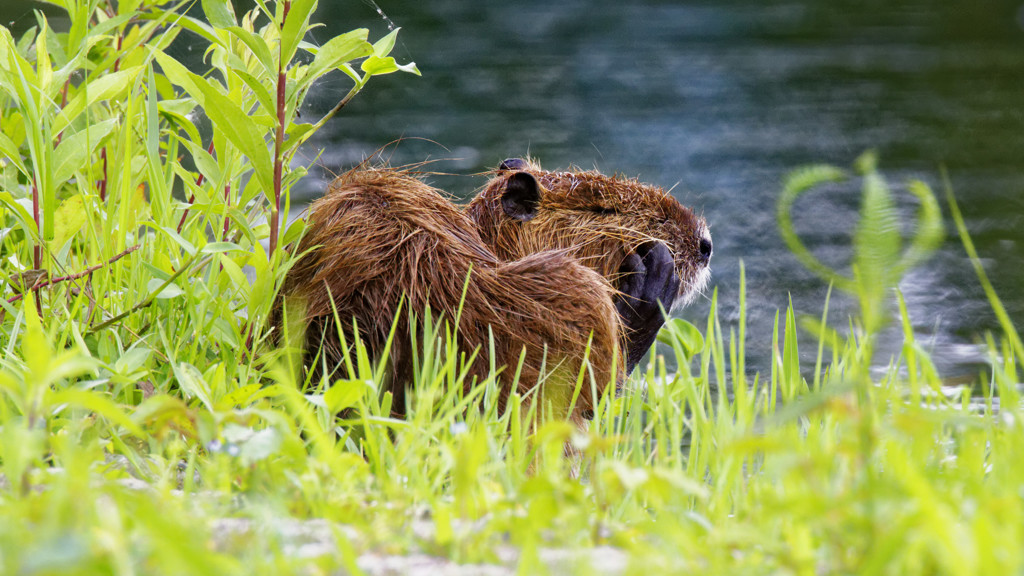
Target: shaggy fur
pixel 380 237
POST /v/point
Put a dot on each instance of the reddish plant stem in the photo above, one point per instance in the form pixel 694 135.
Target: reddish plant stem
pixel 227 218
pixel 275 209
pixel 192 198
pixel 57 280
pixel 117 63
pixel 37 250
pixel 103 182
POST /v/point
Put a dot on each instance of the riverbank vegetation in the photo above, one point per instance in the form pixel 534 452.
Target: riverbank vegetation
pixel 149 425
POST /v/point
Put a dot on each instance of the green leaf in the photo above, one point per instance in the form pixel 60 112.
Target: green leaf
pixel 108 86
pixel 219 247
pixel 344 394
pixel 239 396
pixel 35 347
pixel 241 130
pixel 684 333
pixel 185 244
pixel 339 50
pixel 259 48
pixel 75 149
pixel 181 121
pixel 375 65
pixel 257 87
pixel 205 161
pixel 238 279
pixel 930 229
pixel 260 446
pixel 295 28
pixel 191 382
pixel 109 24
pixel 220 13
pixel 96 403
pixel 383 47
pixel 294 231
pixel 10 152
pixel 67 221
pixel 20 212
pixel 179 75
pixel 797 183
pixel 876 248
pixel 43 67
pixel 170 291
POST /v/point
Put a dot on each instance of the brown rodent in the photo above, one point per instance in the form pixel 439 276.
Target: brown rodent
pixel 651 247
pixel 380 239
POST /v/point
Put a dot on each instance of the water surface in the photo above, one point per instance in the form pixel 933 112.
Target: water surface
pixel 718 100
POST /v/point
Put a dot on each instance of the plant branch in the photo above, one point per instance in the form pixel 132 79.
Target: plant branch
pixel 57 280
pixel 275 207
pixel 149 300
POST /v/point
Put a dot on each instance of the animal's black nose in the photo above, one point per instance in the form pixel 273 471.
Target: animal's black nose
pixel 705 249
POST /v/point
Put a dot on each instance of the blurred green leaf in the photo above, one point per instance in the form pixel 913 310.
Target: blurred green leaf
pixel 98 404
pixel 930 231
pixel 797 183
pixel 345 394
pixel 260 446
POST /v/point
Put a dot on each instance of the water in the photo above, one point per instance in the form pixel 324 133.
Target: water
pixel 719 100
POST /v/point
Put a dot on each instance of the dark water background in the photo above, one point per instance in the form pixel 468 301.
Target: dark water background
pixel 720 99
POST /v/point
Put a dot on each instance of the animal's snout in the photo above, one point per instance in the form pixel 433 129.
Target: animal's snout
pixel 704 246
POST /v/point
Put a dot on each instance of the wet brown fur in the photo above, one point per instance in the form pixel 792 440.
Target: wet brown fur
pixel 598 219
pixel 380 239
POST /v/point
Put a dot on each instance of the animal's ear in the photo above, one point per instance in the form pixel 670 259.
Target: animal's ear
pixel 513 164
pixel 521 197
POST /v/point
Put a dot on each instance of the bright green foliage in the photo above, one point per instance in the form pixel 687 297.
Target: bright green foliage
pixel 147 425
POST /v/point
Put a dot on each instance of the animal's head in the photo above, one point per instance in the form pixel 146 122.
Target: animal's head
pixel 599 219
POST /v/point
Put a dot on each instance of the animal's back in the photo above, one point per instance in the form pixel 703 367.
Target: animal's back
pixel 380 239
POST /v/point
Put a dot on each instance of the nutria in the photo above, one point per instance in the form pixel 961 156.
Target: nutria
pixel 381 239
pixel 651 247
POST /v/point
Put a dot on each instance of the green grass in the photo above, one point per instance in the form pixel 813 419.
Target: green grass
pixel 147 424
